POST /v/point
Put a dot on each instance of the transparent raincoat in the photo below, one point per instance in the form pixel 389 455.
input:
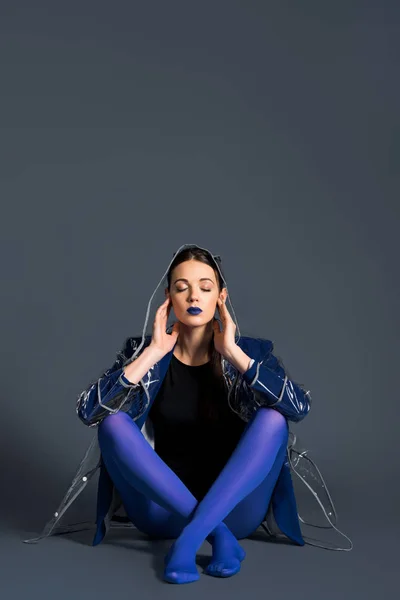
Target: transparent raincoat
pixel 265 383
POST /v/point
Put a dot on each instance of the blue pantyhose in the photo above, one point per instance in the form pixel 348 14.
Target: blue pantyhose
pixel 159 503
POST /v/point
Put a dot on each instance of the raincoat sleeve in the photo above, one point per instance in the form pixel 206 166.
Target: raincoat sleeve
pixel 273 388
pixel 109 393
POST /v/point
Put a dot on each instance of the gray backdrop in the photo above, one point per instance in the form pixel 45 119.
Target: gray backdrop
pixel 267 132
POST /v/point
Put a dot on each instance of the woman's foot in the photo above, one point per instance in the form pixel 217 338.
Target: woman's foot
pixel 226 558
pixel 227 554
pixel 180 567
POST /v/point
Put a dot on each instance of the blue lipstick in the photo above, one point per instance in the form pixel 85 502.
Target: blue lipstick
pixel 194 310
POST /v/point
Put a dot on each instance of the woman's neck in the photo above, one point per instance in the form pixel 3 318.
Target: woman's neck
pixel 193 346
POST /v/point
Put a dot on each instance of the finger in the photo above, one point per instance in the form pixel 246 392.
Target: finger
pixel 164 305
pixel 216 325
pixel 222 309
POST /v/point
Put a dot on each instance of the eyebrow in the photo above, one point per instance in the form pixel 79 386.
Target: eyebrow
pixel 187 281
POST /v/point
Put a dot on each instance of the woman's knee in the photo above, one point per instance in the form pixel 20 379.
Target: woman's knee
pixel 271 413
pixel 276 420
pixel 112 423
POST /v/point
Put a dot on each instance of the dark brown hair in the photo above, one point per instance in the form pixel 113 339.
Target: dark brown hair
pixel 195 253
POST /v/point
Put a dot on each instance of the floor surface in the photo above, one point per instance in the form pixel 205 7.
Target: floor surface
pixel 128 563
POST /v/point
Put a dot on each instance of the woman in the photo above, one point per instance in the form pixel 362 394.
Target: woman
pixel 211 474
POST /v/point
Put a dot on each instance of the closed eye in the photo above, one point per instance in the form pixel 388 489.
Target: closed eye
pixel 184 290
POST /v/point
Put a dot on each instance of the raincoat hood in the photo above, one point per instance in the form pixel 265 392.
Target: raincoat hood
pixel 266 383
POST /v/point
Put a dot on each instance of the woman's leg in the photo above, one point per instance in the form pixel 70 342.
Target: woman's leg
pixel 154 496
pixel 155 499
pixel 253 467
pixel 158 503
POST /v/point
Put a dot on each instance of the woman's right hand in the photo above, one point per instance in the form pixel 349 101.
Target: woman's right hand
pixel 162 341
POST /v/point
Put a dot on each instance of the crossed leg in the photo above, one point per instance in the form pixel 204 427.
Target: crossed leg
pixel 159 504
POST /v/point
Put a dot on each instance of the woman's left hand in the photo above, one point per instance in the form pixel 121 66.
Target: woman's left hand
pixel 224 341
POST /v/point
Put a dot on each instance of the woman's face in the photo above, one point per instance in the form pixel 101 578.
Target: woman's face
pixel 194 283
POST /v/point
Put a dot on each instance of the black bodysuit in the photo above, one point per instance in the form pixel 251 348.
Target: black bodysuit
pixel 193 444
